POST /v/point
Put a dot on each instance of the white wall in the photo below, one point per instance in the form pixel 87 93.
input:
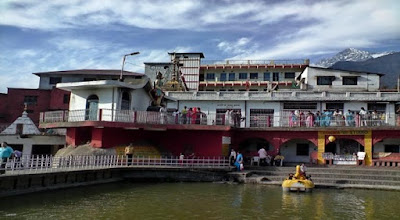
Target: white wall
pixel 288 150
pixel 79 97
pixel 140 100
pixel 365 82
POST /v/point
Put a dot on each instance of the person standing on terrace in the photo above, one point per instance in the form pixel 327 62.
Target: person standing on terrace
pixel 239 161
pixel 363 116
pixel 5 153
pixel 184 113
pixel 349 118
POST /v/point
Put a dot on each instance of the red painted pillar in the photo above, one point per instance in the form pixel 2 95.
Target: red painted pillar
pixel 97 137
pixel 101 114
pixel 70 137
pixel 268 121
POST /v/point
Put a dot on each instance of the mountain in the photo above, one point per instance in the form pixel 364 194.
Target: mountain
pixel 350 54
pixel 387 64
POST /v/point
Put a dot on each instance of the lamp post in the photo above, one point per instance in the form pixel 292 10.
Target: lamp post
pixel 123 63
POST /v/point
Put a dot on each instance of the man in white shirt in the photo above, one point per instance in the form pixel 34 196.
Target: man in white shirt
pixel 262 153
pixel 363 115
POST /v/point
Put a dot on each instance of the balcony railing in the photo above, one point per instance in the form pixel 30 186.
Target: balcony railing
pixel 278 119
pixel 47 163
pixel 255 62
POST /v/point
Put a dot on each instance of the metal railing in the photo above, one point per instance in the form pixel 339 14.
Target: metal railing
pixel 254 62
pixel 48 163
pixel 278 119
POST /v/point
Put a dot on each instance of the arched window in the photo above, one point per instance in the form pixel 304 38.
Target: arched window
pixel 126 101
pixel 92 105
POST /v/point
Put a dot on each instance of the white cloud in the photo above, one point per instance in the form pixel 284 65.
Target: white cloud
pixel 335 26
pixel 236 47
pixel 17 66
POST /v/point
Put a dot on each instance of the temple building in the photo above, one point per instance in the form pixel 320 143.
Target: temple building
pixel 290 108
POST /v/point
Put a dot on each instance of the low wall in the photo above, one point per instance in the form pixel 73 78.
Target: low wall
pixel 27 183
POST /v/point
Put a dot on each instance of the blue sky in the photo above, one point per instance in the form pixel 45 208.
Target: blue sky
pixel 44 35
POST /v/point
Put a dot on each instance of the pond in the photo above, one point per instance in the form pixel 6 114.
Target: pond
pixel 126 200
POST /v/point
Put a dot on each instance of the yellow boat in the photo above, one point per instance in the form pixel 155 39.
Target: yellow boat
pixel 297 183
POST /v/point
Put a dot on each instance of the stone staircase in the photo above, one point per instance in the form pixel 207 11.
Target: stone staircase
pixel 332 176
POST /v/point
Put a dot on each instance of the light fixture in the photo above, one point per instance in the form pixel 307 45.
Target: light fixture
pixel 123 62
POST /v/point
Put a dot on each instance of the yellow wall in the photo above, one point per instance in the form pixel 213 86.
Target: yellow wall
pixel 367 143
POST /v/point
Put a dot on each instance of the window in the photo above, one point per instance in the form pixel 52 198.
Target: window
pixel 334 105
pixel 201 77
pixel 242 75
pixel 231 76
pixel 222 90
pixel 267 76
pixel 89 79
pixel 379 107
pixel 261 117
pixel 349 80
pixel 392 148
pixel 253 75
pixel 54 80
pixel 30 100
pixel 302 150
pixel 66 99
pixel 275 76
pixel 289 75
pixel 223 77
pixel 126 101
pixel 210 76
pixel 325 80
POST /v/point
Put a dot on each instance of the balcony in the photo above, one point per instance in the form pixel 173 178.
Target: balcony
pixel 283 119
pixel 255 62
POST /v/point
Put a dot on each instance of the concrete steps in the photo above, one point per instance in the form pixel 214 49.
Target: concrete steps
pixel 334 176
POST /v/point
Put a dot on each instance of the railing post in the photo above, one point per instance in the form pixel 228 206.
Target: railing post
pixel 134 117
pixel 101 115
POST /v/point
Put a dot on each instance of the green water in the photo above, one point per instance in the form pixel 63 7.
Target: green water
pixel 200 201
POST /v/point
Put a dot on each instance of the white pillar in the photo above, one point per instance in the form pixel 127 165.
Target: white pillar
pixel 27 149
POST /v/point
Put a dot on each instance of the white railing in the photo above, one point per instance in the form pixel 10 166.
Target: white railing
pixel 278 119
pixel 48 163
pixel 252 62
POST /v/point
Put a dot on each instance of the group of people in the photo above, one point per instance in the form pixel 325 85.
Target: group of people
pixel 266 159
pixel 236 159
pixel 233 117
pixel 189 116
pixel 335 118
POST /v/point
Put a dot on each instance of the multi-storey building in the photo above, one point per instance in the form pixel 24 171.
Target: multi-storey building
pixel 287 107
pixel 47 97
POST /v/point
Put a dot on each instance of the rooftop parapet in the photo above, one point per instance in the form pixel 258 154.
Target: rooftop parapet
pixel 256 62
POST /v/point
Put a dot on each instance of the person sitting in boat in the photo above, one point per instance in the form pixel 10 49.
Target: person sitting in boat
pixel 299 174
pixel 303 169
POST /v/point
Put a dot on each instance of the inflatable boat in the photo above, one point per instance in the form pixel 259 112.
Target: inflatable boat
pixel 297 182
